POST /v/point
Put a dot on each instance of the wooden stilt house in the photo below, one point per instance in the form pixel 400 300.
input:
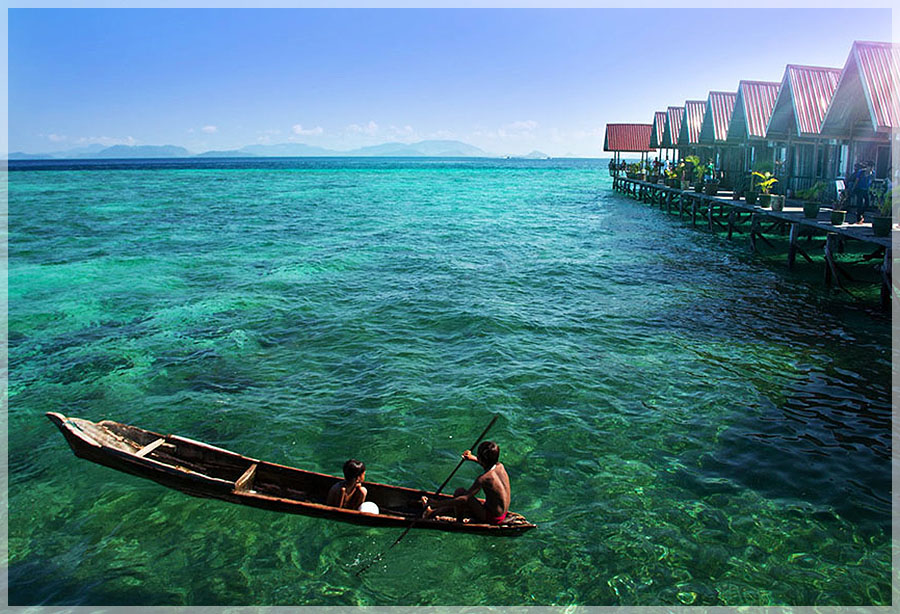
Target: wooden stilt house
pixel 627 138
pixel 689 135
pixel 795 128
pixel 714 131
pixel 674 117
pixel 747 128
pixel 656 134
pixel 865 109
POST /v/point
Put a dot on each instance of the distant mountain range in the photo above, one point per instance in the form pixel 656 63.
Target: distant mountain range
pixel 437 149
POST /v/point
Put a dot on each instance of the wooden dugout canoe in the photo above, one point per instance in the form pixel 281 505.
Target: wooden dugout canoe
pixel 202 470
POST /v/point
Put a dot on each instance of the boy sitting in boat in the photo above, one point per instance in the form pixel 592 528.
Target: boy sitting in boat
pixel 350 493
pixel 495 483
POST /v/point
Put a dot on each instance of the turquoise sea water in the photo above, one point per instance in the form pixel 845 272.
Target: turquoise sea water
pixel 686 424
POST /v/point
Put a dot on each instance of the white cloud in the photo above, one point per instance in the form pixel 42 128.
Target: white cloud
pixel 442 135
pixel 56 138
pixel 210 129
pixel 517 130
pixel 266 136
pixel 107 140
pixel 404 134
pixel 300 130
pixel 370 129
pixel 593 133
pixel 522 126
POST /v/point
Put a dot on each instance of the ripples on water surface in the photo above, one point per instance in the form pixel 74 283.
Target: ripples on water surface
pixel 685 424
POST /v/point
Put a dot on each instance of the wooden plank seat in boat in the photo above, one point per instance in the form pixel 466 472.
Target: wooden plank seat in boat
pixel 245 482
pixel 150 447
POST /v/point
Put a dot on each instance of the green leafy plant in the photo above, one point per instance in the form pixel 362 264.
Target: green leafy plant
pixel 813 192
pixel 885 205
pixel 699 169
pixel 763 166
pixel 767 180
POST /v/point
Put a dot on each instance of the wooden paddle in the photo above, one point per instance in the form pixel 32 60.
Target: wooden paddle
pixel 440 488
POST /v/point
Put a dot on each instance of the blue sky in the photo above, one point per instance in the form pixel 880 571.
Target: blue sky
pixel 508 81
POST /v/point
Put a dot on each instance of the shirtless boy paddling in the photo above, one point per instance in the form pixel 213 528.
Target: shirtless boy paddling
pixel 494 482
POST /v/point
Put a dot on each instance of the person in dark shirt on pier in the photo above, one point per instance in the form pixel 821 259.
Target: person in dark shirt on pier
pixel 859 188
pixel 688 171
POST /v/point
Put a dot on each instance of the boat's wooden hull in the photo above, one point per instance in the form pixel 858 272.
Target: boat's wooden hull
pixel 201 470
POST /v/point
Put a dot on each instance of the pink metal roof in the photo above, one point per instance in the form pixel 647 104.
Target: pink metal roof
pixel 866 98
pixel 752 109
pixel 659 128
pixel 627 137
pixel 693 119
pixel 806 92
pixel 719 108
pixel 674 117
pixel 879 64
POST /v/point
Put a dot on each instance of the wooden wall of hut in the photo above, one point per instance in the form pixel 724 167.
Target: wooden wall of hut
pixel 877 151
pixel 733 168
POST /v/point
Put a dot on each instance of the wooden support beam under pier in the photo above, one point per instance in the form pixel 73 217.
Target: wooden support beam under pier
pixel 727 213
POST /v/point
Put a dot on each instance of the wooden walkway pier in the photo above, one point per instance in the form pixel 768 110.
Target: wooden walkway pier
pixel 722 212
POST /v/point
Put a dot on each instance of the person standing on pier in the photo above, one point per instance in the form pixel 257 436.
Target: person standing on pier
pixel 859 188
pixel 688 172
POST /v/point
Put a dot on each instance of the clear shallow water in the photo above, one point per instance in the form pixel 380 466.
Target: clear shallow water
pixel 685 424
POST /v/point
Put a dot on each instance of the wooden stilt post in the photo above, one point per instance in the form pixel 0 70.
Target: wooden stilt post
pixel 693 211
pixel 792 250
pixel 731 216
pixel 754 230
pixel 830 271
pixel 887 288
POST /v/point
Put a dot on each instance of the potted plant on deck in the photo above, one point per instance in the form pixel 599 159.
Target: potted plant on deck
pixel 881 223
pixel 839 211
pixel 671 177
pixel 766 181
pixel 692 173
pixel 810 197
pixel 699 172
pixel 838 215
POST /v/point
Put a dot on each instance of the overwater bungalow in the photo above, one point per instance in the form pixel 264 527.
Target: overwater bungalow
pixel 689 134
pixel 816 123
pixel 865 108
pixel 656 134
pixel 812 126
pixel 674 117
pixel 747 129
pixel 627 138
pixel 714 131
pixel 795 126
